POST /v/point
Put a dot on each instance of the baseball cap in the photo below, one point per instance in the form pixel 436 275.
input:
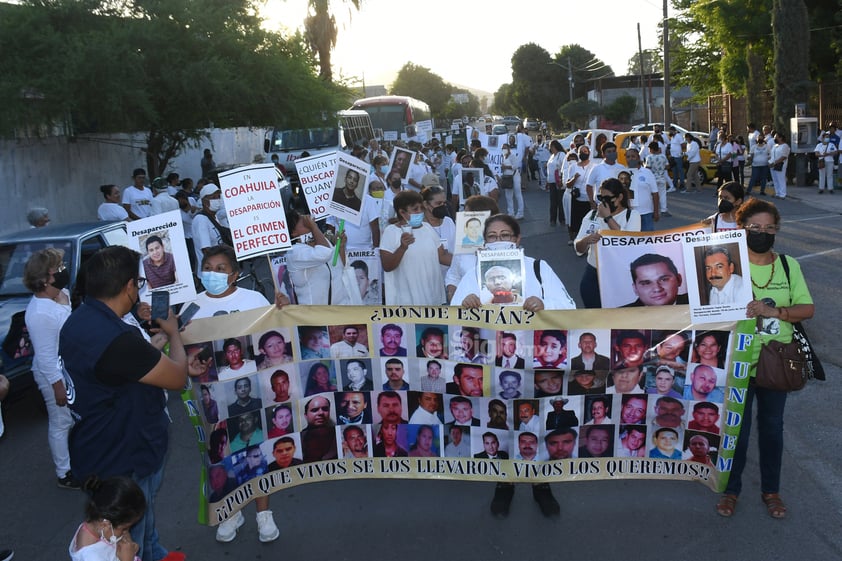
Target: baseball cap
pixel 430 179
pixel 208 189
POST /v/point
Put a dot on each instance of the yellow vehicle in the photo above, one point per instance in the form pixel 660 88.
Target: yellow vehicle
pixel 707 167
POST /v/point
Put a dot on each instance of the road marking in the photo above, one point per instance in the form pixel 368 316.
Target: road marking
pixel 822 217
pixel 819 254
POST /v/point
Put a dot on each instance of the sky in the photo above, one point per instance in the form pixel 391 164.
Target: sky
pixel 470 48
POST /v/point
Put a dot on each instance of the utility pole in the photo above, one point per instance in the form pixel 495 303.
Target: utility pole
pixel 642 84
pixel 667 108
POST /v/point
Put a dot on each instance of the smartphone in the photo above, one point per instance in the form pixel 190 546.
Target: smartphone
pixel 187 314
pixel 160 305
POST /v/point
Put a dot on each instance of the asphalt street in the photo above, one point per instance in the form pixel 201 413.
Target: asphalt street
pixel 421 520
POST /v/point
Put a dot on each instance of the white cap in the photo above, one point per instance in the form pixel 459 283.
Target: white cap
pixel 208 189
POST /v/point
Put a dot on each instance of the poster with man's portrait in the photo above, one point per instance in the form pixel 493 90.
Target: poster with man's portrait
pixel 346 199
pixel 469 230
pixel 501 276
pixel 644 268
pixel 400 162
pixel 720 284
pixel 165 263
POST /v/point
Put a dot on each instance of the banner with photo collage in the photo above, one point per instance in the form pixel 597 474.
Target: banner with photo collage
pixel 316 393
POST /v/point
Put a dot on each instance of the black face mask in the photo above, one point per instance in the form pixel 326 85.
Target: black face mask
pixel 760 242
pixel 61 279
pixel 396 184
pixel 725 207
pixel 584 157
pixel 441 211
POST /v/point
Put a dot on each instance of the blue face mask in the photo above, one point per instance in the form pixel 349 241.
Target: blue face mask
pixel 415 220
pixel 215 283
pixel 384 169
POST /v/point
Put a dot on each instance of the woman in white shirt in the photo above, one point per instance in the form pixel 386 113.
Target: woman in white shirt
pixel 46 276
pixel 780 157
pixel 612 213
pixel 725 155
pixel 111 209
pixel 825 151
pixel 554 181
pixel 576 178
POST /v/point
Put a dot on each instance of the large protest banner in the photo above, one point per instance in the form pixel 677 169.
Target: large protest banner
pixel 492 394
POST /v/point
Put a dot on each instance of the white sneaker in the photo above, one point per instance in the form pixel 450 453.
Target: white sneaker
pixel 227 530
pixel 267 531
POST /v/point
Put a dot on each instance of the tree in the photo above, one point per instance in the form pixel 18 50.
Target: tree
pixel 417 81
pixel 171 68
pixel 790 19
pixel 620 110
pixel 586 68
pixel 533 91
pixel 653 62
pixel 321 32
pixel 579 111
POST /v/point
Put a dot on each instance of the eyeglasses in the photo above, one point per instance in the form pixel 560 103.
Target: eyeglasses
pixel 502 237
pixel 768 228
pixel 141 282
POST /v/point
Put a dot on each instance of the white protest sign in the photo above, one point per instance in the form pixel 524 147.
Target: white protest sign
pixel 318 176
pixel 255 211
pixel 165 263
pixel 349 186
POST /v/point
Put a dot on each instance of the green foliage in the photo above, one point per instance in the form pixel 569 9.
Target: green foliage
pixel 419 82
pixel 534 91
pixel 170 67
pixel 652 62
pixel 620 110
pixel 579 111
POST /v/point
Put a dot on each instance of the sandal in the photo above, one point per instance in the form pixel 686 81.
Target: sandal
pixel 774 505
pixel 726 506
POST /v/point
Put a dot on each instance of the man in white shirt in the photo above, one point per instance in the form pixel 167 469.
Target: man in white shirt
pixel 348 347
pixel 529 420
pixel 605 170
pixel 725 286
pixel 162 201
pixel 677 146
pixel 137 199
pixel 645 198
pixel 428 412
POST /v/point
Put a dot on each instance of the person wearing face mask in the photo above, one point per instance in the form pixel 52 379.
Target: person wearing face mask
pixel 779 299
pixel 575 181
pixel 825 152
pixel 778 162
pixel 729 199
pixel 644 192
pixel 46 276
pixel 207 231
pixel 219 271
pixel 409 251
pixel 613 213
pixel 117 376
pixel 544 291
pixel 417 170
pixel 606 169
pixel 437 215
pixel 510 180
pixel 393 185
pixel 554 177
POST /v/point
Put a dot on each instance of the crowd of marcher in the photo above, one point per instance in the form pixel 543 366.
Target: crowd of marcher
pixel 114 354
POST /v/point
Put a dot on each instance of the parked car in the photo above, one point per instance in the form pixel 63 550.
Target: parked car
pixel 707 167
pixel 499 128
pixel 531 124
pixel 511 120
pixel 79 241
pixel 700 135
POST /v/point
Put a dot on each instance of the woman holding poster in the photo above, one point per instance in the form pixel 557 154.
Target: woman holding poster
pixel 410 251
pixel 781 297
pixel 540 292
pixel 613 213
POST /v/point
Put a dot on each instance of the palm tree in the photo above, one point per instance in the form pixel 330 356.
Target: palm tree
pixel 320 30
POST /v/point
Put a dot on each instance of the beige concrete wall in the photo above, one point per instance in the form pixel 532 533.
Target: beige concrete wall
pixel 64 175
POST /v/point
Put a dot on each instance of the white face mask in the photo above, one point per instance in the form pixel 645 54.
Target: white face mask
pixel 500 245
pixel 111 539
pixel 214 205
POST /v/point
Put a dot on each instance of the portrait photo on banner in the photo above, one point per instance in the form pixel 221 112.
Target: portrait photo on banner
pixel 717 266
pixel 640 274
